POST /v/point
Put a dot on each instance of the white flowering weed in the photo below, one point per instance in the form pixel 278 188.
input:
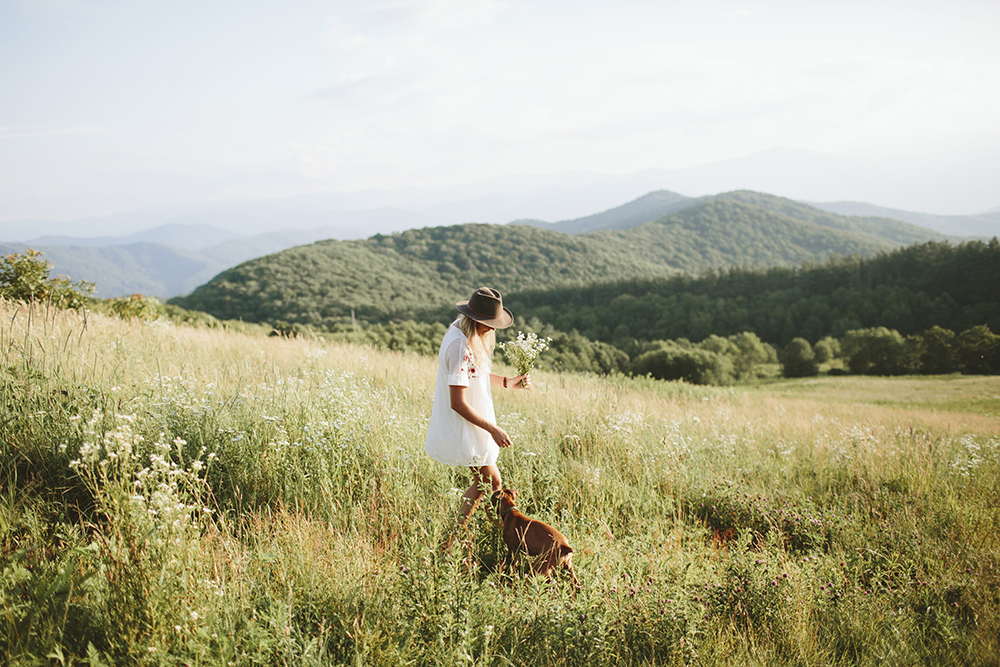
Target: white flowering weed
pixel 524 350
pixel 149 491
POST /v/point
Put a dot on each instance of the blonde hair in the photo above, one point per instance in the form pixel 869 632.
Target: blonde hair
pixel 481 346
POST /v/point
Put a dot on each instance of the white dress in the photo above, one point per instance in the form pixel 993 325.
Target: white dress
pixel 450 438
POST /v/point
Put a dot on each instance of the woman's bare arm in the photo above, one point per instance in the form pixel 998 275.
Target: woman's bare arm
pixel 519 382
pixel 460 404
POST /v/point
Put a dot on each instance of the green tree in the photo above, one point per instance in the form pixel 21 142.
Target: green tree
pixel 798 359
pixel 675 361
pixel 937 352
pixel 978 351
pixel 26 278
pixel 876 351
pixel 751 352
pixel 608 359
pixel 719 345
pixel 826 349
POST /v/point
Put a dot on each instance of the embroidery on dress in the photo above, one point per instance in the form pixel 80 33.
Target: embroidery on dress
pixel 467 359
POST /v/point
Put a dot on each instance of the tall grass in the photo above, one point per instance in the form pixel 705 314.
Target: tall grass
pixel 193 496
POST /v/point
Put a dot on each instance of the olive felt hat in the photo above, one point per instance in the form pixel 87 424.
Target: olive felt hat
pixel 486 306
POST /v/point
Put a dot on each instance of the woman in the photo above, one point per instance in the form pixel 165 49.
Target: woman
pixel 463 429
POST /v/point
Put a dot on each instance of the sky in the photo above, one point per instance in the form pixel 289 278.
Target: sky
pixel 111 105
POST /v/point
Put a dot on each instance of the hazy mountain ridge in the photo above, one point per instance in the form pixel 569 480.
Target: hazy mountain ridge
pixel 798 174
pixel 186 237
pixel 879 227
pixel 985 224
pixel 646 208
pixel 210 225
pixel 653 206
pixel 126 269
pixel 145 268
pixel 130 268
pixel 408 275
pixel 722 232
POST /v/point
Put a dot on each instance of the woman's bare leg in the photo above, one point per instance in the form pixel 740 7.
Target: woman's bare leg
pixel 483 477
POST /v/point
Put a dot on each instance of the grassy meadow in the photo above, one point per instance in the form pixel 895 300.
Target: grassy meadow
pixel 193 496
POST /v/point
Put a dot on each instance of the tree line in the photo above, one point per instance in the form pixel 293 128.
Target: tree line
pixel 933 283
pixel 910 290
pixel 722 360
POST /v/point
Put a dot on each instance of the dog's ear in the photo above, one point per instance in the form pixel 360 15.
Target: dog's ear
pixel 513 493
pixel 495 498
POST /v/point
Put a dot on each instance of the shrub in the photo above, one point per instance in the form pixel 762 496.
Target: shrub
pixel 798 359
pixel 936 352
pixel 608 359
pixel 751 352
pixel 674 361
pixel 407 336
pixel 744 350
pixel 26 278
pixel 183 316
pixel 288 330
pixel 826 349
pixel 876 351
pixel 136 306
pixel 978 351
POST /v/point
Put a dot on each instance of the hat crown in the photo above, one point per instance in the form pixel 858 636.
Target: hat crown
pixel 486 306
pixel 486 302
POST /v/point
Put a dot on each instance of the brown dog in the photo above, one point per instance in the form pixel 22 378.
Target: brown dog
pixel 540 540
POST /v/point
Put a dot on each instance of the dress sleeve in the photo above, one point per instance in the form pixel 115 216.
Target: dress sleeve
pixel 458 363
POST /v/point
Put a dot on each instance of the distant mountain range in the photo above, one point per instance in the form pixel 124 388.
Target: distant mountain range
pixel 176 257
pixel 130 265
pixel 655 205
pixel 984 225
pixel 155 269
pixel 188 237
pixel 796 174
pixel 420 272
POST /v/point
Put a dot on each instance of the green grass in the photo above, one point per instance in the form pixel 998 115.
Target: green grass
pixel 176 495
pixel 945 393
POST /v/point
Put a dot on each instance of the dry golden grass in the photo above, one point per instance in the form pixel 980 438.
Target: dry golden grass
pixel 323 548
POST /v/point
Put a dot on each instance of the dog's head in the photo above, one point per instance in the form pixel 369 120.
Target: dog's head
pixel 503 499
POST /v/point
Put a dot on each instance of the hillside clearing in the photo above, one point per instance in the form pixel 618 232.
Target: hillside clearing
pixel 178 495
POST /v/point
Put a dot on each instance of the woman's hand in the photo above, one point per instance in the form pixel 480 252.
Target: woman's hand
pixel 460 405
pixel 500 436
pixel 520 382
pixel 517 382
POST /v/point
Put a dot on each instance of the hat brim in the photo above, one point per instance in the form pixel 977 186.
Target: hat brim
pixel 501 322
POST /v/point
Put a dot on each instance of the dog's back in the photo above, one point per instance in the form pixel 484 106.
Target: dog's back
pixel 548 546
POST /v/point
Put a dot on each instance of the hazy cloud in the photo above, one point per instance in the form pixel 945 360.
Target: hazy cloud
pixel 193 99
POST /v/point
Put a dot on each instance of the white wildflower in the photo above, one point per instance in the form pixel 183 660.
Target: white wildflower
pixel 522 352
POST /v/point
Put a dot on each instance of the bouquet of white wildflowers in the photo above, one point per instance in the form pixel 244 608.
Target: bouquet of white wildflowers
pixel 521 353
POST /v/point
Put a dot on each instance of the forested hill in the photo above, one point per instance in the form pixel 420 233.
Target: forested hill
pixel 722 233
pixel 408 275
pixel 655 205
pixel 651 206
pixel 890 229
pixel 418 272
pixel 909 289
